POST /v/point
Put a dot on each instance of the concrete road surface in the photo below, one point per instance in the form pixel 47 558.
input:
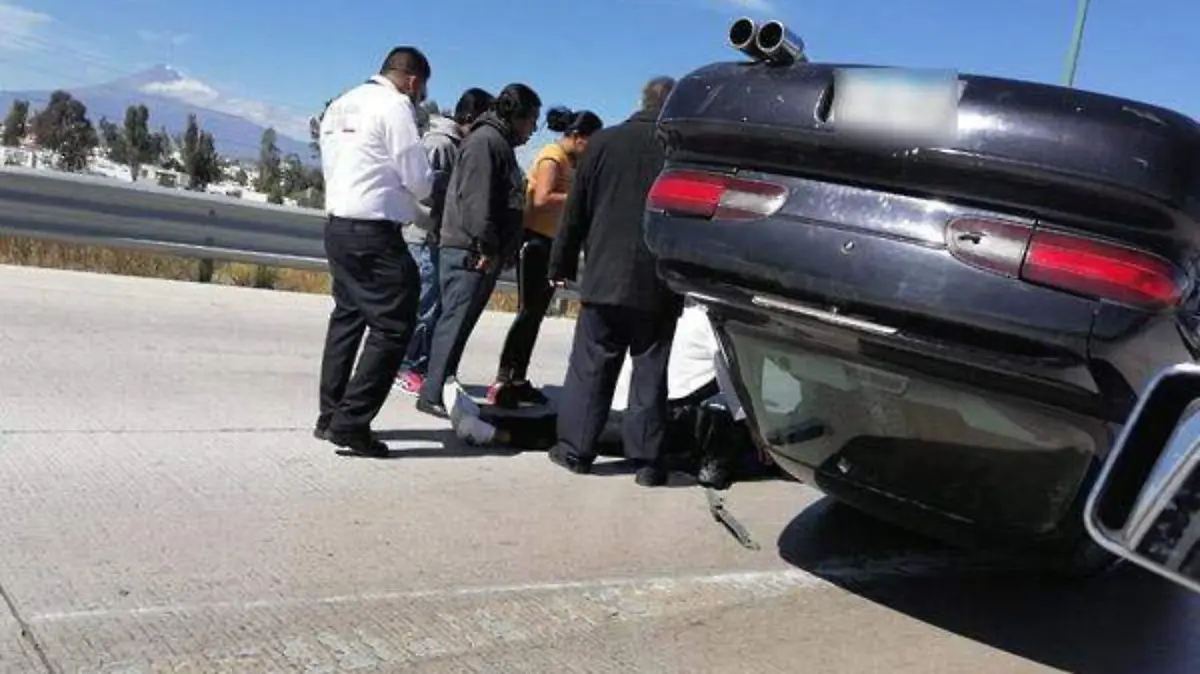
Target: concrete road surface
pixel 166 509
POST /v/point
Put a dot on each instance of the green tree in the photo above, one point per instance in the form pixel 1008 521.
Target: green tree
pixel 63 127
pixel 205 168
pixel 292 176
pixel 315 193
pixel 164 149
pixel 139 142
pixel 269 166
pixel 112 141
pixel 160 148
pixel 199 155
pixel 314 131
pixel 47 124
pixel 16 124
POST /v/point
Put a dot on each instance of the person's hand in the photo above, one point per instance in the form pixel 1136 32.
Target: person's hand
pixel 483 263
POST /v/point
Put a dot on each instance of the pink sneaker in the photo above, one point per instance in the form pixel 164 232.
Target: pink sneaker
pixel 410 383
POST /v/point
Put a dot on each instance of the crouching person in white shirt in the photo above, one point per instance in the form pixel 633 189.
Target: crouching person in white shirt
pixel 376 173
pixel 705 417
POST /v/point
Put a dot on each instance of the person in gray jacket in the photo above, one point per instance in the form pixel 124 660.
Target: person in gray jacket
pixel 485 206
pixel 442 137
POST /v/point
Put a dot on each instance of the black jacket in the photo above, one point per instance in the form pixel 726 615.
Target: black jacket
pixel 603 218
pixel 485 199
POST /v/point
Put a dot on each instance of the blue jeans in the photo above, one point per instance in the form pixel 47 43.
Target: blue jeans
pixel 416 358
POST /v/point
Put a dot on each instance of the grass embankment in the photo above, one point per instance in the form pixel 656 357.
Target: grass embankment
pixel 53 255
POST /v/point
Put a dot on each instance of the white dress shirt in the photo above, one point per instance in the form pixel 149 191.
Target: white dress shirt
pixel 695 360
pixel 371 153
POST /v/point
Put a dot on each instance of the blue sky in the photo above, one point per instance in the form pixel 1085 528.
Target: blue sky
pixel 283 58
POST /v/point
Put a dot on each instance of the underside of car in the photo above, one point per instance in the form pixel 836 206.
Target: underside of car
pixel 947 332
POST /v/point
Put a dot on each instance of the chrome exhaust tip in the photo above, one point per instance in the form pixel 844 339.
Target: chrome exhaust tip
pixel 743 36
pixel 777 44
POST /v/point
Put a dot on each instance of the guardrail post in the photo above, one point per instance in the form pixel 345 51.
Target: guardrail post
pixel 207 266
pixel 558 308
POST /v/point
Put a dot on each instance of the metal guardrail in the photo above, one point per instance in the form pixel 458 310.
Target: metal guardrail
pixel 99 211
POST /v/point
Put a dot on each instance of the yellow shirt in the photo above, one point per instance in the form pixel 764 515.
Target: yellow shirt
pixel 544 221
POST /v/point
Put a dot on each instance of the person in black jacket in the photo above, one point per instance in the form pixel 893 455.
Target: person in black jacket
pixel 481 225
pixel 626 307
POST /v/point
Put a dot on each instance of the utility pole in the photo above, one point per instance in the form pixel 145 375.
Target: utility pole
pixel 1076 42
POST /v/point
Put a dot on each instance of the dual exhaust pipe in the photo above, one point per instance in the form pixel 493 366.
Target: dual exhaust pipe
pixel 771 42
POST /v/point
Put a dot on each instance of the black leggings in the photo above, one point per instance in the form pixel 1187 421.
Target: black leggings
pixel 535 293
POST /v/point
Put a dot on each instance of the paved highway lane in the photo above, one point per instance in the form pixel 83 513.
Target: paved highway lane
pixel 166 509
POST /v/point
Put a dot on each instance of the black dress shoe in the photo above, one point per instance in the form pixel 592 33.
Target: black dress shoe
pixel 432 409
pixel 651 475
pixel 714 474
pixel 572 462
pixel 321 428
pixel 363 444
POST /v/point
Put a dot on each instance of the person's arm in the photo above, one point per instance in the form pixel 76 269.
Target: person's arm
pixel 545 177
pixel 441 160
pixel 408 153
pixel 575 223
pixel 477 180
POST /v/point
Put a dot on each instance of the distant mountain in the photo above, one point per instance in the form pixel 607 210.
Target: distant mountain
pixel 171 97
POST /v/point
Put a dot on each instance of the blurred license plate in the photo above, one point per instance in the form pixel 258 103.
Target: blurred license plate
pixel 897 104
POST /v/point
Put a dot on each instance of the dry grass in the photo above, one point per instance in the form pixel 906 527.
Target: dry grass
pixel 39 253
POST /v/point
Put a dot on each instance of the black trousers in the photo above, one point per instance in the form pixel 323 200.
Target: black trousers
pixel 535 293
pixel 375 285
pixel 603 335
pixel 465 293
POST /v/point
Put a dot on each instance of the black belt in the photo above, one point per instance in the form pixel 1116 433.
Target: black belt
pixel 357 224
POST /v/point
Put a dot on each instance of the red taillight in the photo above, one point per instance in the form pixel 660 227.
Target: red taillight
pixel 1101 269
pixel 712 195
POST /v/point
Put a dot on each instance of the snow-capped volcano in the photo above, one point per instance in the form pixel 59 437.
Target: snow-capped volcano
pixel 237 124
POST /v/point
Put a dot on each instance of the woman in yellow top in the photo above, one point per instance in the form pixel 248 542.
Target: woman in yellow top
pixel 545 194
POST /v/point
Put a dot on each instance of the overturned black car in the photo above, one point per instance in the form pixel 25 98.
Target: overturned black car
pixel 945 327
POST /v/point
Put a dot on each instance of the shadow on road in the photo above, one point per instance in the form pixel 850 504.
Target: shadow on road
pixel 449 446
pixel 1125 622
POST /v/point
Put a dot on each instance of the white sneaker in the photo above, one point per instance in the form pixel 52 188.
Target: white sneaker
pixel 464 416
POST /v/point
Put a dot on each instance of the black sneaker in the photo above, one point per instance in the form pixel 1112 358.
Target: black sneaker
pixel 321 430
pixel 363 444
pixel 651 475
pixel 525 392
pixel 503 395
pixel 714 474
pixel 432 409
pixel 572 462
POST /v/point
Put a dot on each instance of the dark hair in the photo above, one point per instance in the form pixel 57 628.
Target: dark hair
pixel 473 103
pixel 655 93
pixel 407 60
pixel 563 120
pixel 516 101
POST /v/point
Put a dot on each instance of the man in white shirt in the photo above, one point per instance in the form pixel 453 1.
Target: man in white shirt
pixel 376 173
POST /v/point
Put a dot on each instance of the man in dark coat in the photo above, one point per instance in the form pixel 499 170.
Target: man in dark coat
pixel 626 307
